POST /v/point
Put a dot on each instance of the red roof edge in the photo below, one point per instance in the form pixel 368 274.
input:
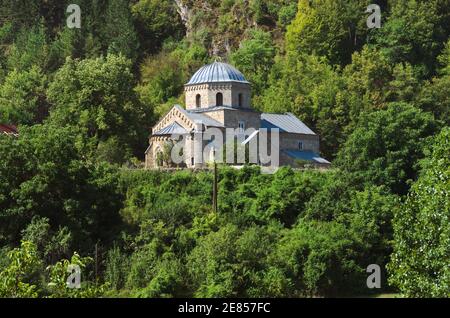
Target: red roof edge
pixel 8 129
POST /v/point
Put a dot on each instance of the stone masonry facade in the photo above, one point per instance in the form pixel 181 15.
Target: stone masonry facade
pixel 218 96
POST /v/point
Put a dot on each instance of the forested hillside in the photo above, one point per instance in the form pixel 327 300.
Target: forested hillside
pixel 84 99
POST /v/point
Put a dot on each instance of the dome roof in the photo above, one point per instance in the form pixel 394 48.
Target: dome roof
pixel 217 72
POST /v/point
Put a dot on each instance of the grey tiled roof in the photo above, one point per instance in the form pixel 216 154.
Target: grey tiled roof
pixel 285 122
pixel 224 107
pixel 196 117
pixel 306 155
pixel 210 108
pixel 173 128
pixel 217 72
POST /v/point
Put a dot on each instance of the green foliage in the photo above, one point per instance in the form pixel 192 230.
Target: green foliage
pixel 23 276
pixel 386 145
pixel 59 274
pixel 51 245
pixel 44 174
pixel 226 263
pixel 30 48
pixel 444 60
pixel 117 265
pixel 163 277
pixel 360 218
pixel 84 97
pixel 255 58
pixel 284 198
pixel 20 12
pixel 22 97
pixel 311 89
pixel 270 12
pixel 434 96
pixel 419 264
pixel 415 32
pixel 367 82
pixel 16 280
pixel 330 28
pixel 164 75
pixel 235 252
pixel 119 30
pixel 156 21
pixel 96 98
pixel 314 259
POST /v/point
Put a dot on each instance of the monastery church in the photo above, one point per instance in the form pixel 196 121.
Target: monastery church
pixel 219 96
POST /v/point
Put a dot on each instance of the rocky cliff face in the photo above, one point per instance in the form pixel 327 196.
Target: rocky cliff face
pixel 185 14
pixel 221 25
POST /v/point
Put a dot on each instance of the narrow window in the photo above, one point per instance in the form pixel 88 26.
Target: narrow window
pixel 240 99
pixel 198 101
pixel 300 145
pixel 241 126
pixel 219 99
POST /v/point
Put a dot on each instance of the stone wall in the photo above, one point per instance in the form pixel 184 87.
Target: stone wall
pixel 218 115
pixel 157 145
pixel 230 117
pixel 291 141
pixel 174 115
pixel 208 93
pixel 252 119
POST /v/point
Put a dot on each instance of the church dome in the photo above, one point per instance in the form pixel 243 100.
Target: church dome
pixel 217 72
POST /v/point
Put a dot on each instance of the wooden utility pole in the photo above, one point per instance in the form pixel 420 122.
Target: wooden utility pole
pixel 96 262
pixel 215 188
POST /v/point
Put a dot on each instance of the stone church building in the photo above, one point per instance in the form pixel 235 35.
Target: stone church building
pixel 218 96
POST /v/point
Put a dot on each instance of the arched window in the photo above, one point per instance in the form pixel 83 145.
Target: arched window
pixel 240 99
pixel 219 99
pixel 159 160
pixel 198 101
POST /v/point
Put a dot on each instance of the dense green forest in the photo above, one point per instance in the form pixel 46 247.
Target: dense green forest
pixel 72 190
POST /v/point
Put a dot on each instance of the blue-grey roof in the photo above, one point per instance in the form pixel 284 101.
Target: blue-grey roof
pixel 217 72
pixel 196 117
pixel 212 108
pixel 285 122
pixel 216 108
pixel 306 155
pixel 173 128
